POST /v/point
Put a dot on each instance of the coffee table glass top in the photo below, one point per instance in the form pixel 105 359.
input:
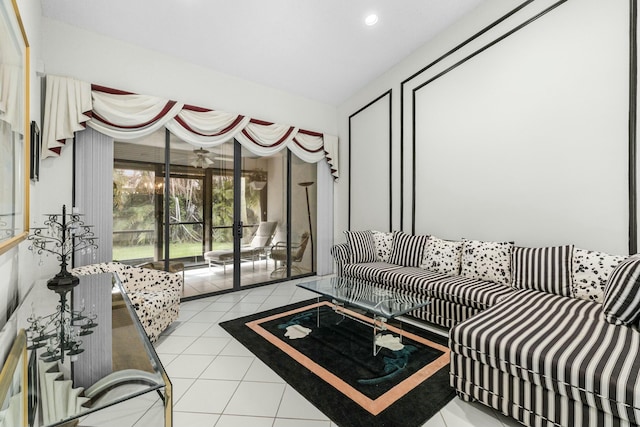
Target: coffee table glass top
pixel 369 296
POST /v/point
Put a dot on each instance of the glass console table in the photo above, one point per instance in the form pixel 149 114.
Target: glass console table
pixel 109 369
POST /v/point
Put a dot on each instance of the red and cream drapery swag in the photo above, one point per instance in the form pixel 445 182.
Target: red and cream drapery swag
pixel 71 104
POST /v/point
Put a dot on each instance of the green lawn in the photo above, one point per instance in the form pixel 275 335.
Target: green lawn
pixel 190 249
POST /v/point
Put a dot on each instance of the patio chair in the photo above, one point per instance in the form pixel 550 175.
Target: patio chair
pixel 279 253
pixel 256 248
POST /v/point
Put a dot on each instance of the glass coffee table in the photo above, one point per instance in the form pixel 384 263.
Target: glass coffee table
pixel 381 303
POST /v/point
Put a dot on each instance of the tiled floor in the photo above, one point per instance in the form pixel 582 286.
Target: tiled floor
pixel 217 382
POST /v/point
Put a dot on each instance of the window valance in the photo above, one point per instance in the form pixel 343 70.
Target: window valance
pixel 71 104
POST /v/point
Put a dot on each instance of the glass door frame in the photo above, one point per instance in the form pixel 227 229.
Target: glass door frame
pixel 237 214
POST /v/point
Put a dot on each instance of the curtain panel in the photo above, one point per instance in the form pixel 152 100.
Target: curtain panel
pixel 70 105
pixel 10 86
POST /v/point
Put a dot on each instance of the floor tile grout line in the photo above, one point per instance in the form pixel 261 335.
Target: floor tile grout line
pixel 280 403
pixel 444 421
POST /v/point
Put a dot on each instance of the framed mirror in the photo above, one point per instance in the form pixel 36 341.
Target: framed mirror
pixel 14 127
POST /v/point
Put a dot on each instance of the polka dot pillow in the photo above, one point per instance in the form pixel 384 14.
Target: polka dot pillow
pixel 442 256
pixel 591 270
pixel 383 243
pixel 490 261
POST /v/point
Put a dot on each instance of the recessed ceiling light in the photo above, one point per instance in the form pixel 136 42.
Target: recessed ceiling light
pixel 371 19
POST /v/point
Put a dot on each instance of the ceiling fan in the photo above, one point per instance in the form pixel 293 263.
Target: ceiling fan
pixel 201 161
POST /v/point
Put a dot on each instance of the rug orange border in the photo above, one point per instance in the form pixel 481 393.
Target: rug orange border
pixel 373 406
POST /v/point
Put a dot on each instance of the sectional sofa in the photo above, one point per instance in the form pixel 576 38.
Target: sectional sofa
pixel 546 335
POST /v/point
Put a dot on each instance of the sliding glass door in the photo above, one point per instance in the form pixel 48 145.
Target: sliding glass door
pixel 257 227
pixel 303 222
pixel 226 216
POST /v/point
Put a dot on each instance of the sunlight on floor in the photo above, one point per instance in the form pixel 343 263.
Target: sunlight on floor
pixel 215 279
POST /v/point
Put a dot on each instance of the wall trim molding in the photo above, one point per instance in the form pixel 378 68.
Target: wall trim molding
pixel 632 120
pixel 382 96
pixel 446 71
pixel 633 104
pixel 424 69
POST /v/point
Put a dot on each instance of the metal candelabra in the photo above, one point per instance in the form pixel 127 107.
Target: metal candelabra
pixel 61 330
pixel 62 235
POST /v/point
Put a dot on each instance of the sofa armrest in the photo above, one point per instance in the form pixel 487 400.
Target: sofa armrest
pixel 91 269
pixel 341 255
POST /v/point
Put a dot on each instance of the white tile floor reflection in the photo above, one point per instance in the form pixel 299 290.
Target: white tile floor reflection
pixel 219 383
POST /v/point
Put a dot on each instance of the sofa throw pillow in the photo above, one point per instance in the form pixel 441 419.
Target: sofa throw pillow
pixel 490 261
pixel 590 272
pixel 407 250
pixel 544 269
pixel 383 243
pixel 442 256
pixel 621 304
pixel 361 246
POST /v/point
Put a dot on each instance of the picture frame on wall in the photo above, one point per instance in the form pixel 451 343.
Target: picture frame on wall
pixel 35 152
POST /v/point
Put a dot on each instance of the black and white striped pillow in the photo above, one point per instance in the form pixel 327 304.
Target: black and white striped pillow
pixel 544 269
pixel 407 250
pixel 361 246
pixel 621 304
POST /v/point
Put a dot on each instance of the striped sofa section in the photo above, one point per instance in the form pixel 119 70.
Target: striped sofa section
pixel 341 256
pixel 549 360
pixel 439 312
pixel 368 271
pixel 453 298
pixel 444 313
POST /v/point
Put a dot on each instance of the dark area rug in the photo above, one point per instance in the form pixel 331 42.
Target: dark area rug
pixel 335 369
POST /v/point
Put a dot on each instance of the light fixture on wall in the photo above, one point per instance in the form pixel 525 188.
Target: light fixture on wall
pixel 201 161
pixel 258 179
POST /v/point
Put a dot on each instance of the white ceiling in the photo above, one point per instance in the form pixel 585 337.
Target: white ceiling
pixel 318 49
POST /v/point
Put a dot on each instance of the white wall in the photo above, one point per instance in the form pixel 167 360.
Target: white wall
pixel 370 199
pixel 525 141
